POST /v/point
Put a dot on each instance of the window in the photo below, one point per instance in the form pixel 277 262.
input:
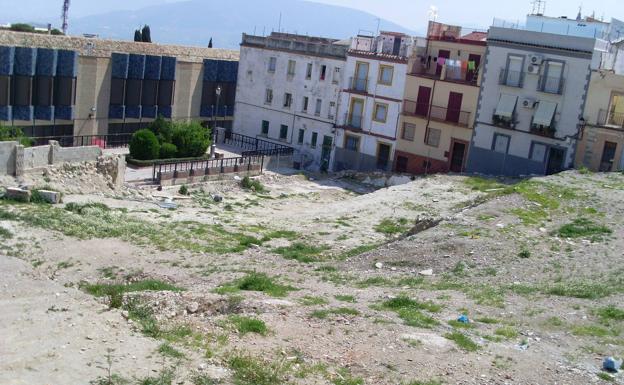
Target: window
pixel 501 143
pixel 265 128
pixel 165 92
pixel 352 143
pixel 291 67
pixel 306 101
pixel 332 107
pixel 65 91
pixel 309 71
pixel 5 90
pixel 272 64
pixel 268 98
pixel 409 130
pixel 319 105
pixel 149 95
pixel 381 112
pixel 513 75
pixel 314 139
pixel 401 164
pixel 544 114
pixel 287 100
pixel 283 132
pixel 538 152
pixel 336 77
pixel 301 135
pixel 552 82
pixel 323 72
pixel 614 116
pixel 433 137
pixel 22 90
pixel 133 92
pixel 385 75
pixel 43 91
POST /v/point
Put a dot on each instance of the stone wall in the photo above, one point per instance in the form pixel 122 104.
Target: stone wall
pixel 36 157
pixel 7 158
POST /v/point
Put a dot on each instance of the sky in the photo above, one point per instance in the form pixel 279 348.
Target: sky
pixel 412 14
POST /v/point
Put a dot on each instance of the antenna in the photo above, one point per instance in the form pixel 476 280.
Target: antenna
pixel 65 16
pixel 539 7
pixel 433 13
pixel 279 25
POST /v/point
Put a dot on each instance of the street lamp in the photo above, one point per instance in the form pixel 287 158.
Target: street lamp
pixel 213 146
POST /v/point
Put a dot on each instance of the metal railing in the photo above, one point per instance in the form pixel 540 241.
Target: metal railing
pixel 610 118
pixel 551 84
pixel 256 146
pixel 174 169
pixel 451 116
pixel 412 108
pixel 352 121
pixel 499 121
pixel 102 141
pixel 547 131
pixel 511 78
pixel 358 84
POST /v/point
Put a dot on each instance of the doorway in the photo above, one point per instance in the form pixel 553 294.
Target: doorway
pixel 556 157
pixel 608 157
pixel 360 83
pixel 442 54
pixel 454 107
pixel 383 156
pixel 326 153
pixel 458 153
pixel 470 74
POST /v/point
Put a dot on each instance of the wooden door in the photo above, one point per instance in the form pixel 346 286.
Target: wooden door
pixel 422 102
pixel 457 156
pixel 454 107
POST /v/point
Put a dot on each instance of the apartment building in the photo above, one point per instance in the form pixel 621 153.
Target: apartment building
pixel 60 86
pixel 371 101
pixel 533 94
pixel 440 101
pixel 288 92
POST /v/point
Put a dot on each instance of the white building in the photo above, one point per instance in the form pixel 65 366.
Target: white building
pixel 531 103
pixel 288 90
pixel 371 101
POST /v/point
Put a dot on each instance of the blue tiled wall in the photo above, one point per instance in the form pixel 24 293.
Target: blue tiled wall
pixel 168 69
pixel 165 111
pixel 228 71
pixel 152 67
pixel 44 112
pixel 207 111
pixel 25 61
pixel 149 111
pixel 133 112
pixel 120 65
pixel 6 113
pixel 136 66
pixel 46 62
pixel 23 112
pixel 211 70
pixel 64 112
pixel 7 57
pixel 116 112
pixel 67 63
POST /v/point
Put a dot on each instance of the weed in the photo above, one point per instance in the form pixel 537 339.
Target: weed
pixel 257 282
pixel 487 320
pixel 346 311
pixel 357 251
pixel 301 252
pixel 374 281
pixel 115 291
pixel 248 370
pixel 204 379
pixel 183 190
pixel 592 331
pixel 64 265
pixel 164 378
pixel 507 332
pixel 391 226
pixel 309 300
pixel 409 311
pixel 463 341
pixel 343 377
pixel 5 233
pixel 583 227
pixel 610 313
pixel 169 351
pixel 345 298
pixel 246 325
pixel 460 325
pixel 427 382
pixel 605 377
pixel 524 253
pixel 251 184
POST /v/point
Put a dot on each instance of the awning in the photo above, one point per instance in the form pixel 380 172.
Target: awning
pixel 506 106
pixel 545 113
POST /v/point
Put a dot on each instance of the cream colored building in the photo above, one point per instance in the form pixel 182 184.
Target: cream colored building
pixel 601 145
pixel 440 102
pixel 63 86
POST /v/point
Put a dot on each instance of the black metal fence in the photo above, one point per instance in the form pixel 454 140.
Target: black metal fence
pixel 256 146
pixel 178 169
pixel 102 141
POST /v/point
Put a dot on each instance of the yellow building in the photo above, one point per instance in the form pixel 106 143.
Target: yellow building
pixel 601 145
pixel 440 102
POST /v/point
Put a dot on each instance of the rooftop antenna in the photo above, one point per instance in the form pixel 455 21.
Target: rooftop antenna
pixel 65 16
pixel 579 17
pixel 378 24
pixel 433 13
pixel 539 7
pixel 279 25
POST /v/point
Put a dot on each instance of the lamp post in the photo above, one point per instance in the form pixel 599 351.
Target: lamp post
pixel 213 146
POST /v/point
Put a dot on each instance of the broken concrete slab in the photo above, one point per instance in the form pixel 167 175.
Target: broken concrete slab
pixel 18 194
pixel 53 197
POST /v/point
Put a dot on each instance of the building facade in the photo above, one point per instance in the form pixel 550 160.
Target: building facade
pixel 61 86
pixel 440 102
pixel 531 102
pixel 371 101
pixel 288 92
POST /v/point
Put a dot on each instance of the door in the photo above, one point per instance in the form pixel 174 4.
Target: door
pixel 422 102
pixel 608 156
pixel 470 74
pixel 555 160
pixel 383 156
pixel 396 49
pixel 357 111
pixel 326 153
pixel 458 153
pixel 361 77
pixel 442 54
pixel 454 107
pixel 401 164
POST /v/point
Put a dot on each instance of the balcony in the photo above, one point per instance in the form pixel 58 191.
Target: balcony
pixel 411 108
pixel 610 119
pixel 546 131
pixel 352 121
pixel 551 85
pixel 419 70
pixel 358 84
pixel 450 116
pixel 511 78
pixel 503 122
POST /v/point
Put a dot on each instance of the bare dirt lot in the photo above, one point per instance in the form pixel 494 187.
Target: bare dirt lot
pixel 314 281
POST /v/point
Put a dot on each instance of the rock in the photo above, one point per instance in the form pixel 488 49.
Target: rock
pixel 379 265
pixel 125 314
pixel 192 307
pixel 217 198
pixel 52 197
pixel 18 194
pixel 428 272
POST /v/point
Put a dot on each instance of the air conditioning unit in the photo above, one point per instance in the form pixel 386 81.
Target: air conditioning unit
pixel 533 69
pixel 527 103
pixel 536 59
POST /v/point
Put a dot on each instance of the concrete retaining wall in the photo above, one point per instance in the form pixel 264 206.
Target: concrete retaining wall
pixel 36 157
pixel 7 158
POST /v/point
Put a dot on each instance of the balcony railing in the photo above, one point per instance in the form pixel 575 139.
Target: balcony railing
pixel 418 69
pixel 358 84
pixel 511 78
pixel 412 108
pixel 451 116
pixel 551 84
pixel 503 122
pixel 352 121
pixel 547 131
pixel 610 119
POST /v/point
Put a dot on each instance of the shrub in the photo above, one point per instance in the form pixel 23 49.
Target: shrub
pixel 144 145
pixel 168 151
pixel 162 128
pixel 252 184
pixel 15 134
pixel 183 190
pixel 22 27
pixel 191 139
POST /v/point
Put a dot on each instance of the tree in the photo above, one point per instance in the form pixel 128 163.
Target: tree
pixel 210 43
pixel 163 129
pixel 144 145
pixel 137 35
pixel 22 27
pixel 191 139
pixel 146 34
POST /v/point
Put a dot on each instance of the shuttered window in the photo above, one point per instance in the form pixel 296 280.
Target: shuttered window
pixel 44 87
pixel 22 90
pixel 165 92
pixel 5 90
pixel 64 91
pixel 149 95
pixel 133 92
pixel 118 92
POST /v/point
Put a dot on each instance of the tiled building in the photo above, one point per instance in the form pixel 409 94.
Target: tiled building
pixel 54 86
pixel 371 101
pixel 440 102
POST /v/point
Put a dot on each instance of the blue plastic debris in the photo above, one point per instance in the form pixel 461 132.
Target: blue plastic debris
pixel 463 319
pixel 610 364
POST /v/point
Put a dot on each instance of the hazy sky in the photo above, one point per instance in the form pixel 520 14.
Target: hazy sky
pixel 410 13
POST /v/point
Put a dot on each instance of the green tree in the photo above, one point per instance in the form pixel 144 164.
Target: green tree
pixel 14 134
pixel 146 34
pixel 191 139
pixel 163 129
pixel 168 151
pixel 137 35
pixel 210 43
pixel 22 27
pixel 144 145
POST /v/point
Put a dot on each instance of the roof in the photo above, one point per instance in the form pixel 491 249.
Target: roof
pixel 476 36
pixel 105 47
pixel 390 33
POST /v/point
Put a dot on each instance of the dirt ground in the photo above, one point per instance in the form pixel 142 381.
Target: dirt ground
pixel 314 280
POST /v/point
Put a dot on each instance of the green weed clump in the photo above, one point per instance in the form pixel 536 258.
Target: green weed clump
pixel 410 311
pixel 249 370
pixel 257 282
pixel 463 341
pixel 301 252
pixel 583 228
pixel 391 226
pixel 324 313
pixel 115 292
pixel 246 325
pixel 252 184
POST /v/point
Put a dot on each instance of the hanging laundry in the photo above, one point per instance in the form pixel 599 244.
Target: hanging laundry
pixel 472 65
pixel 441 60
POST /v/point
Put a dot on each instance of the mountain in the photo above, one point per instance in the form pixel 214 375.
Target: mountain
pixel 194 22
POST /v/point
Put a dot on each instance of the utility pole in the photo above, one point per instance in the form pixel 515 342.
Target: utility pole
pixel 65 16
